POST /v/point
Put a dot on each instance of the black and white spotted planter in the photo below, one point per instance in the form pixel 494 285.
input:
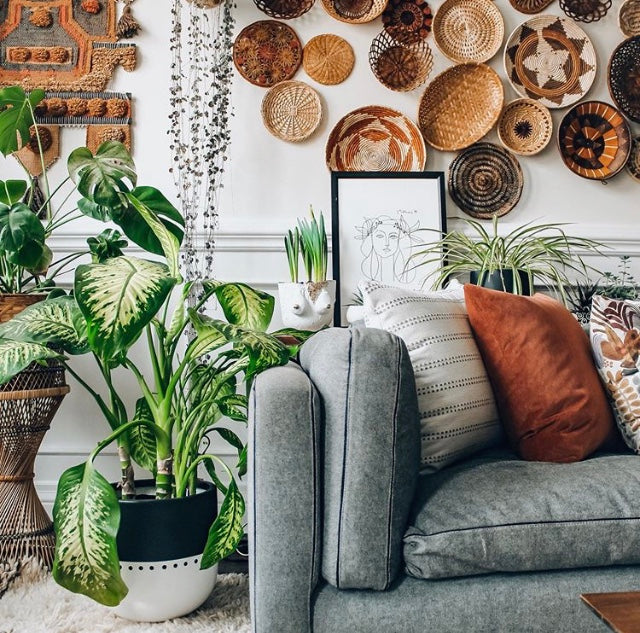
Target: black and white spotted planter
pixel 160 545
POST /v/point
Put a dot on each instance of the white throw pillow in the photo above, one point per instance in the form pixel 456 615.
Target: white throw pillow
pixel 458 412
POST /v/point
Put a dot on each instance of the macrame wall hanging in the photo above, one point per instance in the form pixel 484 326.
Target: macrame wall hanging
pixel 69 48
pixel 201 78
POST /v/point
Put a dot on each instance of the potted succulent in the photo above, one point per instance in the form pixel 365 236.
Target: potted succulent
pixel 512 262
pixel 156 540
pixel 307 304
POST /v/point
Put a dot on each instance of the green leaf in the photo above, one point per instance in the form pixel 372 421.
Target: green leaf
pixel 234 407
pixel 87 516
pixel 104 179
pixel 293 339
pixel 22 236
pixel 118 299
pixel 16 117
pixel 242 305
pixel 93 210
pixel 231 437
pixel 153 223
pixel 142 439
pixel 12 191
pixel 18 355
pixel 107 245
pixel 211 469
pixel 226 531
pixel 56 322
pixel 242 463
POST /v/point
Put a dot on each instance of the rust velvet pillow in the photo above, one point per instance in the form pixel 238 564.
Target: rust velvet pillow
pixel 551 402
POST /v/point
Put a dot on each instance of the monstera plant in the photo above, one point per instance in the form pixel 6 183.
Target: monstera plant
pixel 187 385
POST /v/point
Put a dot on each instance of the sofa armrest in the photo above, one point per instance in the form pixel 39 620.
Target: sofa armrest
pixel 371 452
pixel 284 500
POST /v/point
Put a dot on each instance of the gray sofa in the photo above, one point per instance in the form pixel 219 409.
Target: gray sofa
pixel 341 522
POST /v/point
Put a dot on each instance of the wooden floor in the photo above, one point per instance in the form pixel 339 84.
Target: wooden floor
pixel 621 611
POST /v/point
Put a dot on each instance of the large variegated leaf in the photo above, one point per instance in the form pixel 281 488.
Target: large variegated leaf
pixel 226 531
pixel 57 322
pixel 17 355
pixel 118 298
pixel 242 305
pixel 86 515
pixel 142 440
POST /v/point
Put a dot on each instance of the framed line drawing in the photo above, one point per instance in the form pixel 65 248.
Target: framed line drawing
pixel 375 221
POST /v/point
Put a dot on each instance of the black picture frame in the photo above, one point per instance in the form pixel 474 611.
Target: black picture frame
pixel 407 201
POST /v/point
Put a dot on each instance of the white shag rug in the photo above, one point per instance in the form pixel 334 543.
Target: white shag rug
pixel 34 603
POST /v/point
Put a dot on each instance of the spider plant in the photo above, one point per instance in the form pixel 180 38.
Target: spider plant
pixel 543 252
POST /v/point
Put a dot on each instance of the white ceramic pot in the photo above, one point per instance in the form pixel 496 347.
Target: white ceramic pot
pixel 307 305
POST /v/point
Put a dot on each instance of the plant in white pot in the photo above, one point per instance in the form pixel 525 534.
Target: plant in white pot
pixel 307 305
pixel 150 547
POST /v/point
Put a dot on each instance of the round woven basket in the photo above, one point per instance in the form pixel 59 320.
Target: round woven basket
pixel 292 111
pixel 460 106
pixel 633 164
pixel 582 11
pixel 550 59
pixel 624 77
pixel 594 140
pixel 485 180
pixel 12 304
pixel 328 59
pixel 525 127
pixel 629 17
pixel 407 20
pixel 400 66
pixel 468 30
pixel 376 138
pixel 267 52
pixel 284 9
pixel 354 11
pixel 530 6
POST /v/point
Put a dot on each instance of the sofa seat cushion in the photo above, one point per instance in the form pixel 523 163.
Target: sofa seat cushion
pixel 496 513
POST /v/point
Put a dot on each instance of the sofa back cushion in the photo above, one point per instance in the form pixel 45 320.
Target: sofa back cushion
pixel 458 414
pixel 550 399
pixel 496 513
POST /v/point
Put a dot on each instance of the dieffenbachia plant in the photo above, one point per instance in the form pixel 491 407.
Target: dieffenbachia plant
pixel 184 396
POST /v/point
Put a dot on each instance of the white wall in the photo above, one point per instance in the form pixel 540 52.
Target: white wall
pixel 270 182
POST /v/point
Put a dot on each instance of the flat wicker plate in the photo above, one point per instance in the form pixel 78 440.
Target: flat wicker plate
pixel 328 59
pixel 629 17
pixel 633 164
pixel 485 180
pixel 624 77
pixel 284 9
pixel 354 11
pixel 525 127
pixel 460 106
pixel 408 20
pixel 594 140
pixel 530 6
pixel 468 30
pixel 550 59
pixel 267 52
pixel 375 138
pixel 292 111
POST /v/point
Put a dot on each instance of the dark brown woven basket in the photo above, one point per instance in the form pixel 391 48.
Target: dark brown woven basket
pixel 586 10
pixel 530 6
pixel 284 9
pixel 408 20
pixel 624 77
pixel 485 180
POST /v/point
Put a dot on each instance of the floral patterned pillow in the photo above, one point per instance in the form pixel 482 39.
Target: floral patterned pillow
pixel 615 340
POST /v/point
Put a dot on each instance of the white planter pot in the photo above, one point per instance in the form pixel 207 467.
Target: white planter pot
pixel 307 305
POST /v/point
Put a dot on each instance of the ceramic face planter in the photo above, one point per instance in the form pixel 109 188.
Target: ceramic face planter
pixel 307 306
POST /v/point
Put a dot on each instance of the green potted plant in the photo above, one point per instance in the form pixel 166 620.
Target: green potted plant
pixel 542 252
pixel 148 542
pixel 307 304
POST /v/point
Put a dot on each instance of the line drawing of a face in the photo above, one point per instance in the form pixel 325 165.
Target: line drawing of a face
pixel 386 239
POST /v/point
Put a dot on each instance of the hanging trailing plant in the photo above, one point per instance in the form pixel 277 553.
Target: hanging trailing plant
pixel 201 78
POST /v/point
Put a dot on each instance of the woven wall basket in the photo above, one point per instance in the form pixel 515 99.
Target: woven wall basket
pixel 375 138
pixel 550 59
pixel 328 59
pixel 284 9
pixel 267 52
pixel 525 127
pixel 594 140
pixel 485 180
pixel 582 11
pixel 460 106
pixel 400 66
pixel 468 30
pixel 292 111
pixel 530 6
pixel 624 77
pixel 354 11
pixel 407 20
pixel 633 164
pixel 629 17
